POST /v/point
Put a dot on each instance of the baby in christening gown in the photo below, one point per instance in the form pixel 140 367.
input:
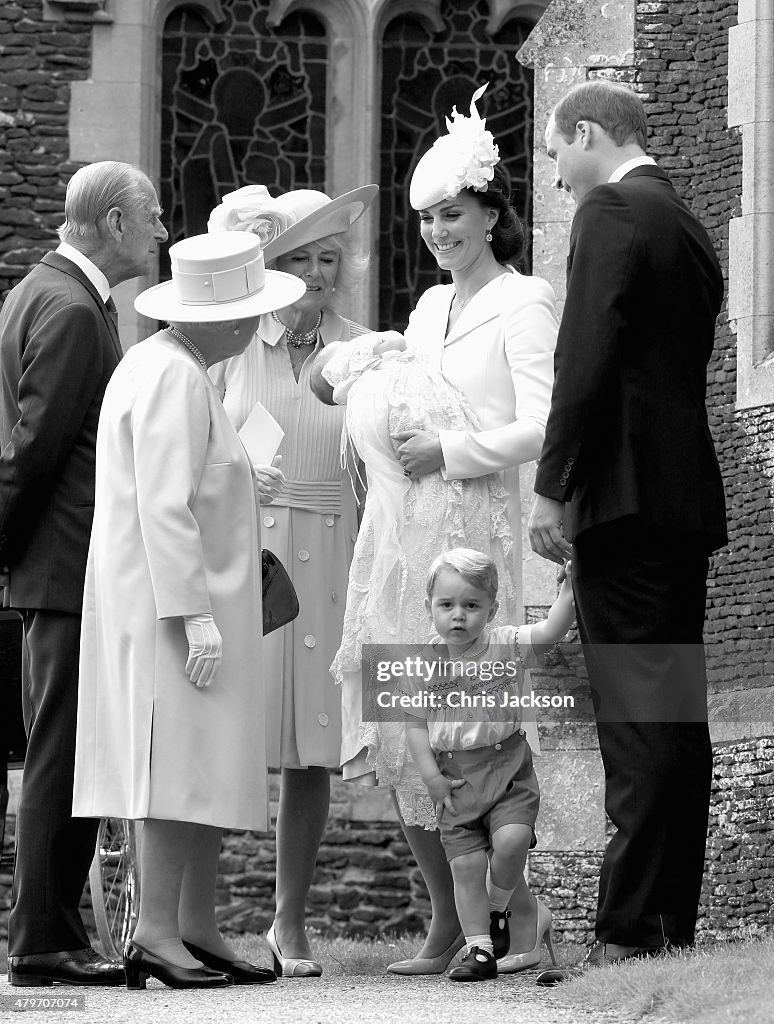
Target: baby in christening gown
pixel 388 388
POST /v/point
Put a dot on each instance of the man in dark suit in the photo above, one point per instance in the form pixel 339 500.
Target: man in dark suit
pixel 628 473
pixel 58 347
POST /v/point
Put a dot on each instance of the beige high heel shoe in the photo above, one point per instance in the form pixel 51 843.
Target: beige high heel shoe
pixel 429 964
pixel 289 967
pixel 515 962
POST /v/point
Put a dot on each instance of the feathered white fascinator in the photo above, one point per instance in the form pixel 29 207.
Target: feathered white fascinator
pixel 464 158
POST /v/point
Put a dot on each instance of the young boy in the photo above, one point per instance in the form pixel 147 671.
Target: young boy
pixel 468 745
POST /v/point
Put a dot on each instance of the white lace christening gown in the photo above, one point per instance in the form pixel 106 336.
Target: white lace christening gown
pixel 405 524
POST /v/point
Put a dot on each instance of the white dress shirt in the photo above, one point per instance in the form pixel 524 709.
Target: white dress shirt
pixel 622 169
pixel 83 263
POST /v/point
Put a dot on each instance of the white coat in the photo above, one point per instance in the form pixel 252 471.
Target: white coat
pixel 500 355
pixel 175 533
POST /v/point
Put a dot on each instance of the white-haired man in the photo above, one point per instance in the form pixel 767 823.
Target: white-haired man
pixel 59 345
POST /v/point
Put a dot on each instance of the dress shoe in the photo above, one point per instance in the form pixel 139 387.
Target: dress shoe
pixel 499 932
pixel 429 964
pixel 478 965
pixel 67 967
pixel 596 956
pixel 288 967
pixel 140 964
pixel 515 962
pixel 241 971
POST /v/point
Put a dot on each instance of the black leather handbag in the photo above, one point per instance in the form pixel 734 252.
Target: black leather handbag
pixel 280 604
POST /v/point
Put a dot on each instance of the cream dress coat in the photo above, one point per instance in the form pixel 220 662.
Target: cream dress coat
pixel 311 527
pixel 500 355
pixel 175 533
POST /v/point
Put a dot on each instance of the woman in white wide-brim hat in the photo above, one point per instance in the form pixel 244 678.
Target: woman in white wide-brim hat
pixel 171 704
pixel 311 525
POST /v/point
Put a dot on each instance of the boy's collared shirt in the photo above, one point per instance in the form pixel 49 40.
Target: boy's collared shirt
pixel 481 703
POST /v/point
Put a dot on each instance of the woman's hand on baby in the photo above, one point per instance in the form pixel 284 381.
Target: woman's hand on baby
pixel 269 481
pixel 440 789
pixel 419 451
pixel 392 341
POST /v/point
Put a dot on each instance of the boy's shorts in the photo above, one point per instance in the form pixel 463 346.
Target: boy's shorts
pixel 501 788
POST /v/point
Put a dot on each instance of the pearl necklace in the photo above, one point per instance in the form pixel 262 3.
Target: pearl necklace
pixel 188 344
pixel 297 338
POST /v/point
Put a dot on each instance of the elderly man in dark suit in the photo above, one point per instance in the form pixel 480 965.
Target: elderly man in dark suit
pixel 629 474
pixel 58 347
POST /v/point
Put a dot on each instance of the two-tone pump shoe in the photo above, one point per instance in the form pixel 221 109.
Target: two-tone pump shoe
pixel 140 964
pixel 419 965
pixel 241 971
pixel 515 962
pixel 290 967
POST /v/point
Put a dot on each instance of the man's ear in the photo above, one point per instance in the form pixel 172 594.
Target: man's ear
pixel 493 611
pixel 114 221
pixel 583 131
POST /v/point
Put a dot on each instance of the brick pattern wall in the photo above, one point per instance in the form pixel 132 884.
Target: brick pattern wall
pixel 38 60
pixel 681 59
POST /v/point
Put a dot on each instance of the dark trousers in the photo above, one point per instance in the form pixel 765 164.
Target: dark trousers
pixel 640 599
pixel 53 849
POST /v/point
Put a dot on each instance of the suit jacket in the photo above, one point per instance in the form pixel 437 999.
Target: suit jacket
pixel 628 433
pixel 58 348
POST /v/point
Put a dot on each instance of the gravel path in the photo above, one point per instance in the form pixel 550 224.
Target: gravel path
pixel 332 1000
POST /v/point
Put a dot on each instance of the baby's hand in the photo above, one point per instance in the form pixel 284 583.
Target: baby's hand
pixel 440 789
pixel 392 341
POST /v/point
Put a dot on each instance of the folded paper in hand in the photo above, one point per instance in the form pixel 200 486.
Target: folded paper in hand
pixel 261 435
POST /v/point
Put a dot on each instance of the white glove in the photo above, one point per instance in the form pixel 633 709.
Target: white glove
pixel 204 648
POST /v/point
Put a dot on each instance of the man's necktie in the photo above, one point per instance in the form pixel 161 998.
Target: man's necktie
pixel 111 308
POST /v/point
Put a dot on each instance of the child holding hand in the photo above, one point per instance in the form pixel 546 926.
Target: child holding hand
pixel 467 741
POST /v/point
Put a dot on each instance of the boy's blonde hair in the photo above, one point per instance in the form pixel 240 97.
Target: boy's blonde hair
pixel 478 570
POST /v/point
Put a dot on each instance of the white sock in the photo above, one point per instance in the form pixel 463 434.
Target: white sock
pixel 482 941
pixel 498 898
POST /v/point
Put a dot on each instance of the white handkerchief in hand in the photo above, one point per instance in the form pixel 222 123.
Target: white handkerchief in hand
pixel 261 435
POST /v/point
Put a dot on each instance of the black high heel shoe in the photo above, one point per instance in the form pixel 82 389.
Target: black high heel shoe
pixel 140 964
pixel 241 971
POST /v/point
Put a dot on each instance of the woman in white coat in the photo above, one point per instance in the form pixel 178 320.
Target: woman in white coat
pixel 170 708
pixel 492 334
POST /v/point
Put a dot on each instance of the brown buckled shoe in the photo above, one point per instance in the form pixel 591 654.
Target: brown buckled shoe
pixel 67 967
pixel 596 956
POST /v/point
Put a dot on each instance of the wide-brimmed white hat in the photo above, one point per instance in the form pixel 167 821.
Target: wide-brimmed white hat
pixel 292 220
pixel 218 277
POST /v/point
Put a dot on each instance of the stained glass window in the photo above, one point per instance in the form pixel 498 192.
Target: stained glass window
pixel 423 77
pixel 241 104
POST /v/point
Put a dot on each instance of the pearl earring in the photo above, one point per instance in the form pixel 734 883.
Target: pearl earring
pixel 236 331
pixel 489 236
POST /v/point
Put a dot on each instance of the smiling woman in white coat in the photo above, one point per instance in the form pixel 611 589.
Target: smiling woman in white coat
pixel 491 333
pixel 171 708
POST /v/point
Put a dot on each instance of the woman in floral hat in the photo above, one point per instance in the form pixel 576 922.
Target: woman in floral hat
pixel 450 477
pixel 311 525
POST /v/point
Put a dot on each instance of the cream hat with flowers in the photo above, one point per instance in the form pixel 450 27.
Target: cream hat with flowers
pixel 291 220
pixel 217 278
pixel 464 158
